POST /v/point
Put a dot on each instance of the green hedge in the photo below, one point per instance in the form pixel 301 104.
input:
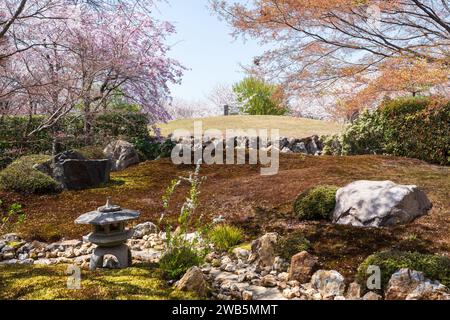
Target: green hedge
pixel 418 128
pixel 151 148
pixel 15 141
pixel 414 127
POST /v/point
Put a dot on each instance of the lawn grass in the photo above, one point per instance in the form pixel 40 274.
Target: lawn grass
pixel 50 283
pixel 288 126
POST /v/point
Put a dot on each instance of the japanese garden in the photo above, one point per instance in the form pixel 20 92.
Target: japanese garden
pixel 315 168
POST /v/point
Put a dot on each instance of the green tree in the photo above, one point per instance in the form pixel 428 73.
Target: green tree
pixel 257 97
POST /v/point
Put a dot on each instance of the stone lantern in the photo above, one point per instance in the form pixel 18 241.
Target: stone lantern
pixel 109 234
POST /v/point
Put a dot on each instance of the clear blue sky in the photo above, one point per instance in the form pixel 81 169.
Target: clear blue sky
pixel 204 45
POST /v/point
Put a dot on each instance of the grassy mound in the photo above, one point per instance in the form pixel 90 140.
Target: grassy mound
pixel 316 203
pixel 50 283
pixel 288 126
pixel 434 267
pixel 22 177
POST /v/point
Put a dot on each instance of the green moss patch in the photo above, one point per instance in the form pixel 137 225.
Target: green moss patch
pixel 290 245
pixel 316 203
pixel 434 267
pixel 91 152
pixel 22 177
pixel 50 283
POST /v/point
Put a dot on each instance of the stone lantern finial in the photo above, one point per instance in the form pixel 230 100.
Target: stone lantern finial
pixel 109 206
pixel 108 202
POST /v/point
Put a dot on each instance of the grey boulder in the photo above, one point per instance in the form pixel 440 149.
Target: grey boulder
pixel 82 174
pixel 144 229
pixel 122 155
pixel 299 148
pixel 379 204
pixel 193 281
pixel 263 250
pixel 409 284
pixel 329 283
pixel 73 172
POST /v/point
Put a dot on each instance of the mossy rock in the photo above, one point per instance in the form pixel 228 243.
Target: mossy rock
pixel 22 177
pixel 291 244
pixel 316 203
pixel 434 267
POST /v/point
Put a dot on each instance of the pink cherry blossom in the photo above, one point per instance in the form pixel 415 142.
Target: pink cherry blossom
pixel 60 54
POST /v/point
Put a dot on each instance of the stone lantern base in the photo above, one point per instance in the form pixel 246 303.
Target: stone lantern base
pixel 122 253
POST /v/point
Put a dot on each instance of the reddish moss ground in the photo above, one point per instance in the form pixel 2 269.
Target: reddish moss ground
pixel 260 204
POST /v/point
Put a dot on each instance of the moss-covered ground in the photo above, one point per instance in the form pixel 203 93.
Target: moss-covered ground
pixel 260 204
pixel 50 283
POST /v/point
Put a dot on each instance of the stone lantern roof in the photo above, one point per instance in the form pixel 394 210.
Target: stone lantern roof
pixel 107 214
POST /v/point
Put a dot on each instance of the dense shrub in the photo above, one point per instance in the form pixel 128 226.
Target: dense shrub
pixel 176 261
pixel 418 128
pixel 151 148
pixel 14 137
pixel 14 130
pixel 224 237
pixel 434 267
pixel 125 125
pixel 365 135
pixel 291 244
pixel 414 127
pixel 22 177
pixel 316 203
pixel 332 145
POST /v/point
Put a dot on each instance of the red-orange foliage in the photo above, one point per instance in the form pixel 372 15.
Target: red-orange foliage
pixel 355 51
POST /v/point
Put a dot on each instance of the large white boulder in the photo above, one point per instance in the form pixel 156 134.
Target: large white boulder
pixel 379 204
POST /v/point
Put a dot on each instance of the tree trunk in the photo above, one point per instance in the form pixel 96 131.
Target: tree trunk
pixel 87 122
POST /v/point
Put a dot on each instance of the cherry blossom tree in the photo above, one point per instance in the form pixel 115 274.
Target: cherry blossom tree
pixel 81 55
